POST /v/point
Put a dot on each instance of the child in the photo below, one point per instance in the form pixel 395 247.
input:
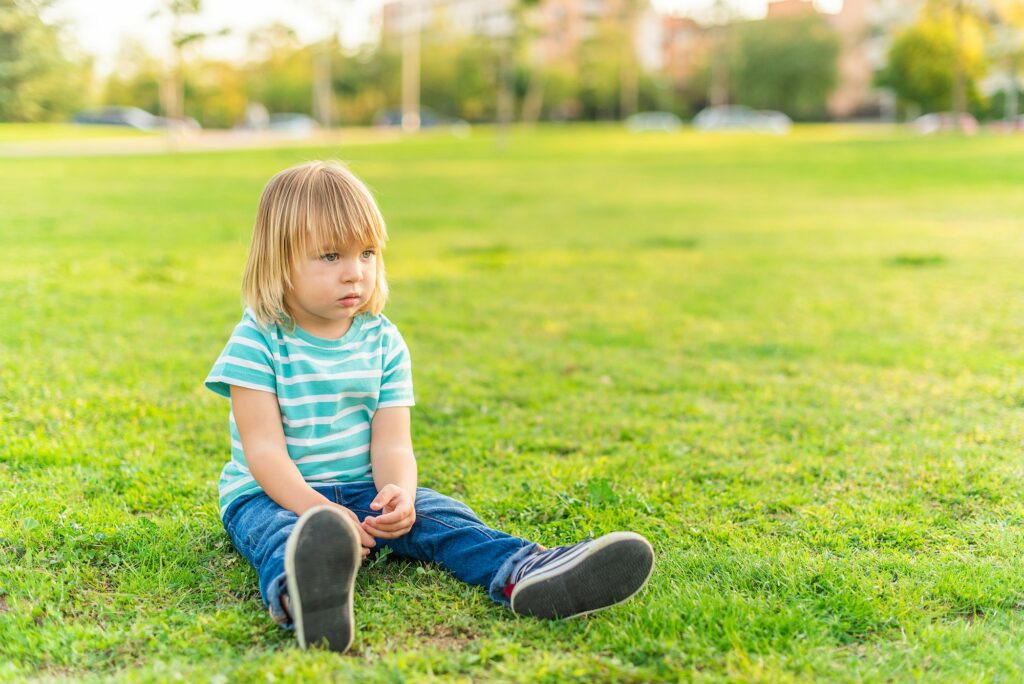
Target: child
pixel 322 468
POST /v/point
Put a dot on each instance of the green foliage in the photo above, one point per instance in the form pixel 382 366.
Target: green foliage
pixel 600 64
pixel 458 76
pixel 793 368
pixel 282 79
pixel 367 83
pixel 135 81
pixel 788 64
pixel 215 93
pixel 38 81
pixel 923 60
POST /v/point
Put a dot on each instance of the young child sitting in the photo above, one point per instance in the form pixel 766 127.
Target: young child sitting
pixel 322 469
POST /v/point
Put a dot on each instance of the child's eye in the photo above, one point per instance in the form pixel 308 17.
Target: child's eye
pixel 330 256
pixel 367 253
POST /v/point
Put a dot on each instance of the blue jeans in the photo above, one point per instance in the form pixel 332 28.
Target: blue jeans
pixel 446 532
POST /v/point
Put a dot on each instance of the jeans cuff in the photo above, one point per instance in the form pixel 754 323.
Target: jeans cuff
pixel 279 587
pixel 497 589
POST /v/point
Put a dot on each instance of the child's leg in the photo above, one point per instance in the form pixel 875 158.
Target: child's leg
pixel 449 533
pixel 306 564
pixel 259 529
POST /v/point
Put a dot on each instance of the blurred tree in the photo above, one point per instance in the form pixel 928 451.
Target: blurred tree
pixel 532 55
pixel 629 72
pixel 215 93
pixel 600 69
pixel 925 59
pixel 135 81
pixel 559 100
pixel 722 16
pixel 281 75
pixel 38 82
pixel 180 12
pixel 458 77
pixel 366 83
pixel 963 15
pixel 1007 50
pixel 789 64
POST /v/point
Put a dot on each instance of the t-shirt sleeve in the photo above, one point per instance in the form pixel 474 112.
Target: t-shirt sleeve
pixel 246 362
pixel 396 380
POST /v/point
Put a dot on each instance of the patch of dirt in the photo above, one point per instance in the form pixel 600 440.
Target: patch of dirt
pixel 447 638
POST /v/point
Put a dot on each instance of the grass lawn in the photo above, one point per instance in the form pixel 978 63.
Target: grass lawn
pixel 793 363
pixel 11 132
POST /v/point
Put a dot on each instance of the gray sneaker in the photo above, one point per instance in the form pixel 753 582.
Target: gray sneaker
pixel 321 559
pixel 575 580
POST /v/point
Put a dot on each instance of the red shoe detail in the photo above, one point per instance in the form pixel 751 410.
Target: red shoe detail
pixel 508 591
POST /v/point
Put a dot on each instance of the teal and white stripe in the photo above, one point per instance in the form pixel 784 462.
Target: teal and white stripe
pixel 327 390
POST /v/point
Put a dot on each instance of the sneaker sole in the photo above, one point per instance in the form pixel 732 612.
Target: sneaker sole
pixel 320 562
pixel 614 569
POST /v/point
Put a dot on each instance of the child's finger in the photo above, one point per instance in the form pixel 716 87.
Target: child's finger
pixel 392 534
pixel 389 518
pixel 373 527
pixel 385 496
pixel 365 538
pixel 393 516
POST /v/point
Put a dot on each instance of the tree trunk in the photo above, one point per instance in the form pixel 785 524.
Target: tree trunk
pixel 719 94
pixel 533 103
pixel 959 78
pixel 323 111
pixel 629 95
pixel 410 72
pixel 506 97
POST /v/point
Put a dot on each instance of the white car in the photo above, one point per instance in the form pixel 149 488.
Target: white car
pixel 938 122
pixel 644 122
pixel 739 117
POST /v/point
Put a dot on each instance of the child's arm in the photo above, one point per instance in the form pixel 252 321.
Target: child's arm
pixel 394 473
pixel 258 418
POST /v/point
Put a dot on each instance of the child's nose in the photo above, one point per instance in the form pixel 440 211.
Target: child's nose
pixel 351 272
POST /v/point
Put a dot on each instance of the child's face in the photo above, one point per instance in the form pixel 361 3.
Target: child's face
pixel 329 286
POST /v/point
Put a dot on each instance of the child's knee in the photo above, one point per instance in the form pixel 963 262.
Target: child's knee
pixel 429 502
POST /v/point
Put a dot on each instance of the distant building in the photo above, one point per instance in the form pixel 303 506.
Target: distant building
pixel 854 94
pixel 674 45
pixel 790 8
pixel 684 47
pixel 489 18
pixel 865 29
pixel 558 26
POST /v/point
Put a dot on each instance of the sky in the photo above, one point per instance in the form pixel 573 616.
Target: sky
pixel 100 27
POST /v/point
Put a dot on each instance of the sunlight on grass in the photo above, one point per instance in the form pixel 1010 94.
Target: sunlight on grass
pixel 793 363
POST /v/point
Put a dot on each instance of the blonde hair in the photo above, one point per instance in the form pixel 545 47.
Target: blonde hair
pixel 311 206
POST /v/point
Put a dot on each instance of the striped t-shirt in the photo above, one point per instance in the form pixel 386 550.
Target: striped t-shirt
pixel 328 391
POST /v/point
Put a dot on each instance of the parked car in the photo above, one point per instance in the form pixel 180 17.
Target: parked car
pixel 739 117
pixel 132 117
pixel 299 125
pixel 644 122
pixel 938 122
pixel 389 118
pixel 1006 125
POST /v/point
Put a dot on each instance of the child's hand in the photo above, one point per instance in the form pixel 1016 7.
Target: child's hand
pixel 365 540
pixel 399 513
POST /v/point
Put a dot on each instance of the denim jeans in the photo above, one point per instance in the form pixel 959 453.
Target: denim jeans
pixel 446 532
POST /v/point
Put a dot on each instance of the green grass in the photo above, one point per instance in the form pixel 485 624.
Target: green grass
pixel 10 132
pixel 793 363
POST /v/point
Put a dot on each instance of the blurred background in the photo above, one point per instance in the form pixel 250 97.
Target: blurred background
pixel 296 68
